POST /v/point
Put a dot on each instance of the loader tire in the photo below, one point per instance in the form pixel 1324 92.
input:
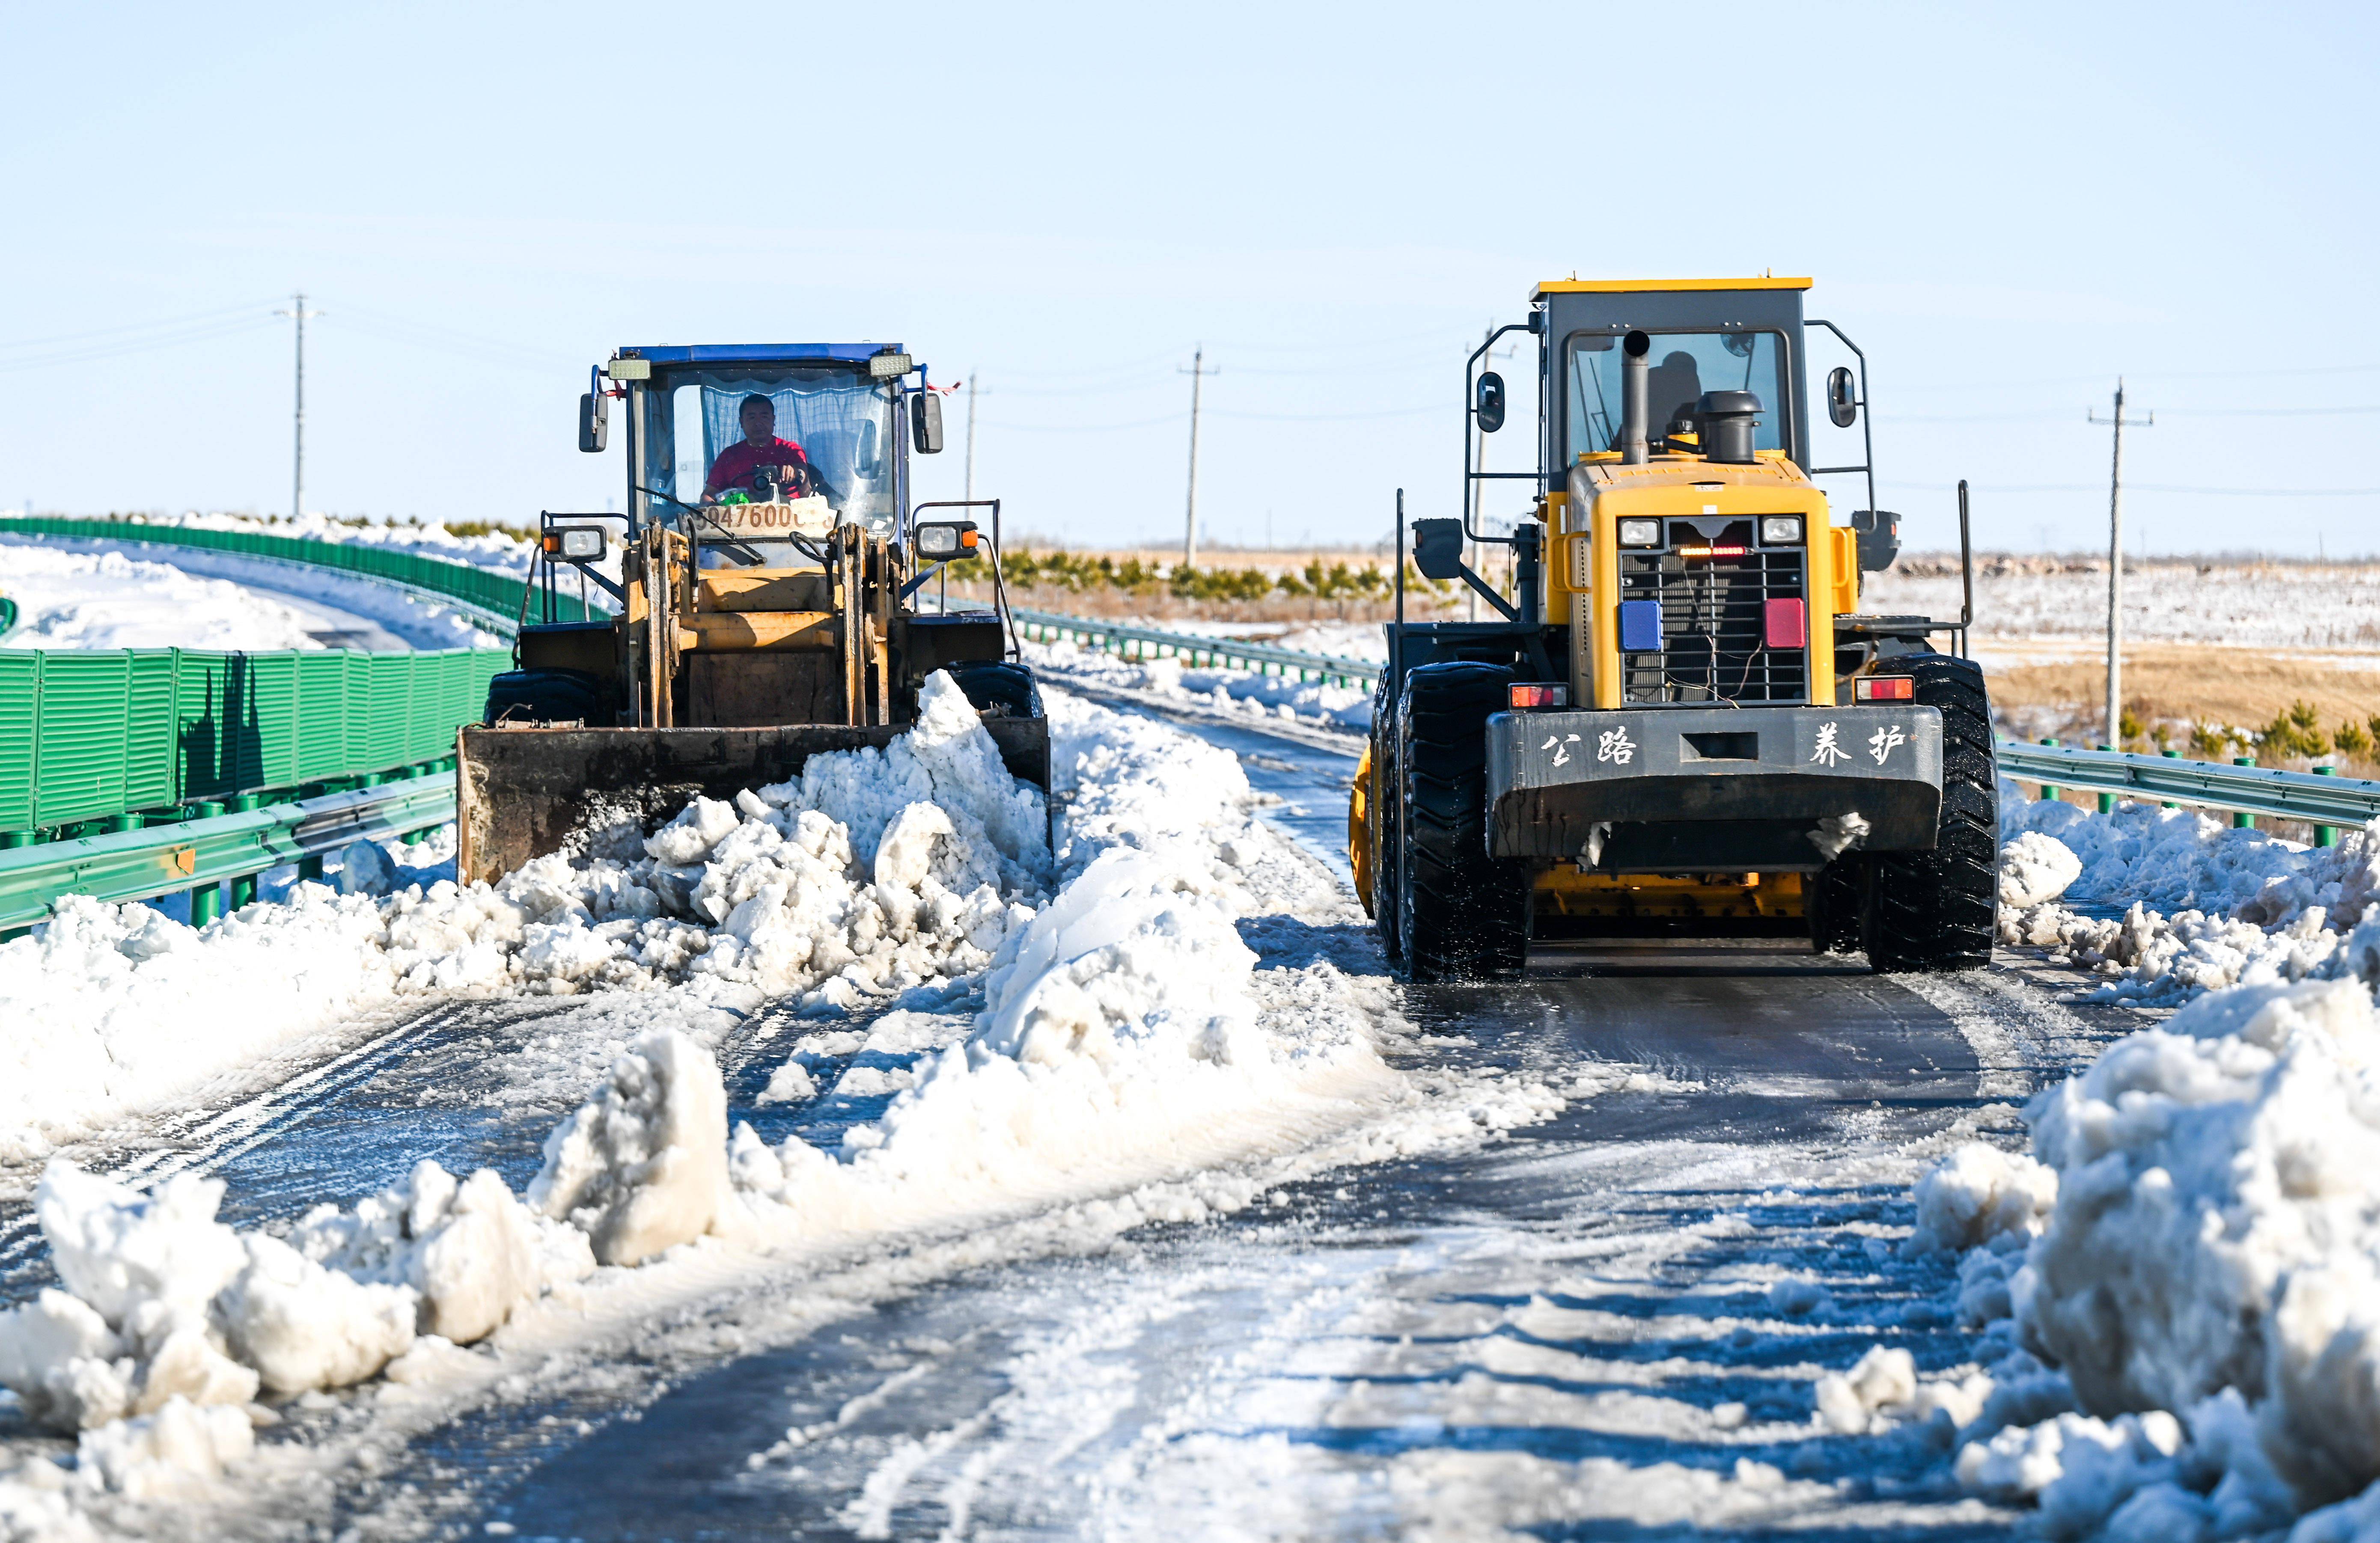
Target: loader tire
pixel 997 688
pixel 547 696
pixel 1933 911
pixel 1833 900
pixel 1382 798
pixel 1461 913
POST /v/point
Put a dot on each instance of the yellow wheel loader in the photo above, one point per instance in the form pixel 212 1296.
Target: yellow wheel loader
pixel 765 586
pixel 1683 724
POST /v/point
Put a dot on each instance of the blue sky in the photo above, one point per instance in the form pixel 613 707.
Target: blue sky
pixel 2007 207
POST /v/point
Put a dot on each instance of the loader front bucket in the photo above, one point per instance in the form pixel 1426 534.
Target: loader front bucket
pixel 523 792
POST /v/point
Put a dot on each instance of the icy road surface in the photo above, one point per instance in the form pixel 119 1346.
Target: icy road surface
pixel 1601 1325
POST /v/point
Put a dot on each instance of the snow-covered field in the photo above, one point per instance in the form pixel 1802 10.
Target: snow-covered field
pixel 2243 604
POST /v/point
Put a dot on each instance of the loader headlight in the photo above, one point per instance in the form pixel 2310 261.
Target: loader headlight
pixel 1780 530
pixel 1639 532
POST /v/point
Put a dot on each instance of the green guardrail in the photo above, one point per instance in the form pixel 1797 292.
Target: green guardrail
pixel 199 854
pixel 2321 798
pixel 496 596
pixel 91 737
pixel 1141 642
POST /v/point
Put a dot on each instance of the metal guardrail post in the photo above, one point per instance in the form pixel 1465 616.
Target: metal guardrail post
pixel 2241 819
pixel 243 885
pixel 2106 800
pixel 2326 835
pixel 2049 792
pixel 2171 755
pixel 206 900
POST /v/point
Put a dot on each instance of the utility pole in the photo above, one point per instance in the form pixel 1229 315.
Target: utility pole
pixel 298 313
pixel 1197 373
pixel 2116 566
pixel 970 454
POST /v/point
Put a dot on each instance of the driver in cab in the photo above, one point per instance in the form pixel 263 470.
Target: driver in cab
pixel 781 461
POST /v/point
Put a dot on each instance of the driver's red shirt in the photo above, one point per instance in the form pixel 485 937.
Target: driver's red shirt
pixel 733 467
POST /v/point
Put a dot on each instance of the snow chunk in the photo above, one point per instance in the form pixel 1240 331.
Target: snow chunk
pixel 163 1455
pixel 1885 1380
pixel 642 1167
pixel 2035 869
pixel 1981 1195
pixel 471 1250
pixel 304 1326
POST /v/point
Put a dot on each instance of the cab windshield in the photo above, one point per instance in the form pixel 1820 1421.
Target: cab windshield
pixel 1684 366
pixel 699 446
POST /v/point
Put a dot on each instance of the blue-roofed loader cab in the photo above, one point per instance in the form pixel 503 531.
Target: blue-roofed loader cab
pixel 764 579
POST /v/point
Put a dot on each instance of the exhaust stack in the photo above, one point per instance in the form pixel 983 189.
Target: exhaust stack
pixel 1636 397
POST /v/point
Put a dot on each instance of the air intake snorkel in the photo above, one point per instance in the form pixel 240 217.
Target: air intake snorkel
pixel 1636 397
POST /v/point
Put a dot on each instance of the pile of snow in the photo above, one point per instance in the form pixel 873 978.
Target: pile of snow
pixel 2208 906
pixel 2181 1283
pixel 170 1325
pixel 1240 692
pixel 876 872
pixel 2261 605
pixel 105 600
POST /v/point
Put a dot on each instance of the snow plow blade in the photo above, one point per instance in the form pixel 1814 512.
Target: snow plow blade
pixel 523 792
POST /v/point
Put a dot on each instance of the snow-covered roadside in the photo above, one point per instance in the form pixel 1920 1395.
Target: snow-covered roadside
pixel 2178 1288
pixel 2207 905
pixel 423 623
pixel 88 600
pixel 1347 708
pixel 1116 1036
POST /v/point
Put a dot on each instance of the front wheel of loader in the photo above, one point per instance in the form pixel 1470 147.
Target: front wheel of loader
pixel 1462 914
pixel 997 688
pixel 547 696
pixel 1935 911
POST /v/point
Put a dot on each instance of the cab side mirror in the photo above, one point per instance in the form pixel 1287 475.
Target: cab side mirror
pixel 926 423
pixel 1842 398
pixel 594 421
pixel 1490 403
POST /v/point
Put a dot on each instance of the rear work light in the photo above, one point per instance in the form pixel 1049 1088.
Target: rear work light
pixel 1885 688
pixel 1540 696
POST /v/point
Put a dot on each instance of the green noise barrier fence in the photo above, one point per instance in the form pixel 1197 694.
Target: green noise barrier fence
pixel 497 596
pixel 93 736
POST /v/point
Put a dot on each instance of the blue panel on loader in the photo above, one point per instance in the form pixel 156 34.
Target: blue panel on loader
pixel 1639 627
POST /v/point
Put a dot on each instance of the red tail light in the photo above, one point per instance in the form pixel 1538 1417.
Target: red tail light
pixel 1784 624
pixel 1884 688
pixel 1540 696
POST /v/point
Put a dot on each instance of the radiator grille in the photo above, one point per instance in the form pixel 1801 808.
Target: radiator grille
pixel 1712 648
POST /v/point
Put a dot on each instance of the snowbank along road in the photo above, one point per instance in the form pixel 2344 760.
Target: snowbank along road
pixel 846 1162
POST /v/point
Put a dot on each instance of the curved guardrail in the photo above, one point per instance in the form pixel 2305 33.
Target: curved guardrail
pixel 496 599
pixel 198 854
pixel 1048 626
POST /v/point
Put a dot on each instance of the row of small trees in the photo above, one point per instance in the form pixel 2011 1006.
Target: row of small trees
pixel 1084 573
pixel 2296 731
